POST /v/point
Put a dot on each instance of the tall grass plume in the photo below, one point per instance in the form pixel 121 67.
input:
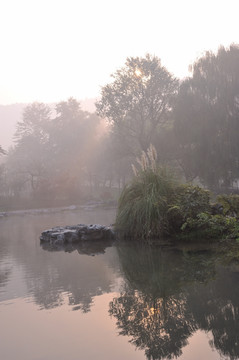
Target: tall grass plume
pixel 144 202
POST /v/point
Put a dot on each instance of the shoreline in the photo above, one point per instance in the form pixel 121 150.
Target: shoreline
pixel 35 211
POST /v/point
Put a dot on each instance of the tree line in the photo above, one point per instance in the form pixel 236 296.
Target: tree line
pixel 65 153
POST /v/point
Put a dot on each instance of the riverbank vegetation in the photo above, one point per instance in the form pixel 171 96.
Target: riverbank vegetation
pixel 64 155
pixel 155 205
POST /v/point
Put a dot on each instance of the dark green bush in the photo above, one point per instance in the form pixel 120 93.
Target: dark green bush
pixel 206 225
pixel 230 204
pixel 193 200
pixel 189 202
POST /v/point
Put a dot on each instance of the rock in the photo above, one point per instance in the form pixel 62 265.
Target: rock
pixel 78 233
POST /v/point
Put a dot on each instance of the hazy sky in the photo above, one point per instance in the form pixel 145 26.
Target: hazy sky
pixel 54 49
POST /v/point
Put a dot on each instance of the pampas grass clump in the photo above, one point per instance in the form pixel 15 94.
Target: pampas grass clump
pixel 144 202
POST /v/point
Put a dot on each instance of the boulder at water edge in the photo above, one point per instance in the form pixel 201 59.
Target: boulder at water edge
pixel 77 233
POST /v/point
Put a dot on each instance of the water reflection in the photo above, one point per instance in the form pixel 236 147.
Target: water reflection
pixel 84 248
pixel 53 278
pixel 5 265
pixel 5 271
pixel 74 279
pixel 159 297
pixel 169 294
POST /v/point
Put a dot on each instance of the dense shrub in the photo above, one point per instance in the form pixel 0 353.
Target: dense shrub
pixel 189 202
pixel 192 200
pixel 230 204
pixel 206 225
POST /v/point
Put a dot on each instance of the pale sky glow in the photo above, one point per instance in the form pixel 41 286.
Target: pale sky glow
pixel 54 49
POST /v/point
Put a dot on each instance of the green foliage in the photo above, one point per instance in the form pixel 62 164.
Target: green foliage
pixel 206 226
pixel 230 204
pixel 193 200
pixel 191 216
pixel 189 202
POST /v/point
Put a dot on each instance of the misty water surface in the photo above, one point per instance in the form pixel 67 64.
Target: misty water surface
pixel 112 301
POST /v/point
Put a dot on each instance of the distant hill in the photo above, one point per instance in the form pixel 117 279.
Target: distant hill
pixel 11 114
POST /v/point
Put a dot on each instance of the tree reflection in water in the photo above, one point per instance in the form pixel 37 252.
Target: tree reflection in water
pixel 67 277
pixel 5 268
pixel 169 294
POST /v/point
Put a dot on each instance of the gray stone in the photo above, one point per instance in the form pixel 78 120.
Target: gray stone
pixel 78 233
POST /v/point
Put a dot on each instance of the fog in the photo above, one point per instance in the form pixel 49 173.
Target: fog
pixel 11 114
pixel 63 154
pixel 52 50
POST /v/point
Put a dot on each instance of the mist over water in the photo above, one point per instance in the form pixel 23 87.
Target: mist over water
pixel 106 300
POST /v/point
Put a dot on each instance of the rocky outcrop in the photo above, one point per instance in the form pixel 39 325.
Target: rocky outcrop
pixel 74 234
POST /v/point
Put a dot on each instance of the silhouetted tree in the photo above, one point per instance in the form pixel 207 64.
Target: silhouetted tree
pixel 28 161
pixel 207 119
pixel 72 139
pixel 34 123
pixel 2 151
pixel 52 151
pixel 138 103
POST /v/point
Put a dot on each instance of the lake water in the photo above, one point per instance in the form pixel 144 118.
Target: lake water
pixel 112 302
